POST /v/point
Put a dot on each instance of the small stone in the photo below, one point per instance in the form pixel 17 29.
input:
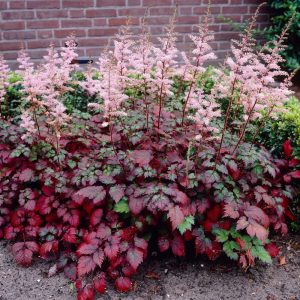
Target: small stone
pixel 38 280
pixel 201 265
pixel 166 271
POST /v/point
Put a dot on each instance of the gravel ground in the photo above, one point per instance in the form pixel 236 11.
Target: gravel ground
pixel 167 278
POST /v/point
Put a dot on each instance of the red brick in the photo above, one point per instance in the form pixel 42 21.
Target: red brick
pixel 184 29
pixel 76 23
pixel 40 44
pixel 10 55
pixel 45 34
pixel 43 4
pixel 17 4
pixel 79 13
pixel 3 5
pixel 132 11
pixel 15 15
pixel 4 46
pixel 185 11
pixel 100 22
pixel 43 24
pixel 94 52
pixel 18 35
pixel 158 20
pixel 51 14
pixel 216 1
pixel 93 42
pixel 37 54
pixel 94 13
pixel 102 32
pixel 156 30
pixel 203 10
pixel 134 2
pixel 12 25
pixel 161 11
pixel 122 21
pixel 113 3
pixel 190 2
pixel 157 2
pixel 63 33
pixel 188 20
pixel 224 36
pixel 77 3
pixel 234 10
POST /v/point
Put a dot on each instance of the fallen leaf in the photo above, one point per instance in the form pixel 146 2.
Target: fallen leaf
pixel 152 275
pixel 282 260
pixel 52 270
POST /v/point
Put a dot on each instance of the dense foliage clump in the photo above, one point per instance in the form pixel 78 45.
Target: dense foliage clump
pixel 152 155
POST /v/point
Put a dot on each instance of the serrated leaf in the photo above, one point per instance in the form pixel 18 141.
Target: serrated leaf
pixel 85 265
pixel 95 193
pixel 177 245
pixel 221 235
pixel 122 206
pixel 98 257
pixel 261 253
pixel 186 224
pixel 142 157
pixel 117 192
pixel 134 257
pixel 176 216
pixel 229 248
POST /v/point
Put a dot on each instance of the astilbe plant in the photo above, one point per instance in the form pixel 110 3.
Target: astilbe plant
pixel 154 162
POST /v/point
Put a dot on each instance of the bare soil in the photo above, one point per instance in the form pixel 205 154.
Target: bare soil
pixel 167 278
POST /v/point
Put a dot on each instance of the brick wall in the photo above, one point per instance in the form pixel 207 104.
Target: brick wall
pixel 34 24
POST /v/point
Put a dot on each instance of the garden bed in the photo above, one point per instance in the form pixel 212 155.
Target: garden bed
pixel 167 278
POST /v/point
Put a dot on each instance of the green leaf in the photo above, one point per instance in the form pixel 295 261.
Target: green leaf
pixel 122 206
pixel 71 163
pixel 221 235
pixel 229 248
pixel 261 253
pixel 186 224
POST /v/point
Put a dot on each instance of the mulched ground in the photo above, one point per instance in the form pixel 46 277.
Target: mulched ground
pixel 167 278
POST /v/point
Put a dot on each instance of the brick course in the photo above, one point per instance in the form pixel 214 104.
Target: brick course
pixel 34 24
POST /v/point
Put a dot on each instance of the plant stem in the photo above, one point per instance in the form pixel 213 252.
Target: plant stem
pixel 226 118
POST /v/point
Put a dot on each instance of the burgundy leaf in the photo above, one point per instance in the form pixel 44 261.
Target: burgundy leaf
pixel 87 293
pixel 123 284
pixel 295 174
pixel 181 198
pixel 26 175
pixel 100 283
pixel 257 214
pixel 117 192
pixel 178 247
pixel 255 229
pixel 96 216
pixel 98 257
pixel 176 216
pixel 272 249
pixel 163 243
pixel 33 246
pixel 111 250
pixel 231 211
pixel 95 193
pixel 142 157
pixel 86 264
pixel 136 205
pixel 134 257
pixel 140 243
pixel 70 271
pixel 287 149
pixel 86 249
